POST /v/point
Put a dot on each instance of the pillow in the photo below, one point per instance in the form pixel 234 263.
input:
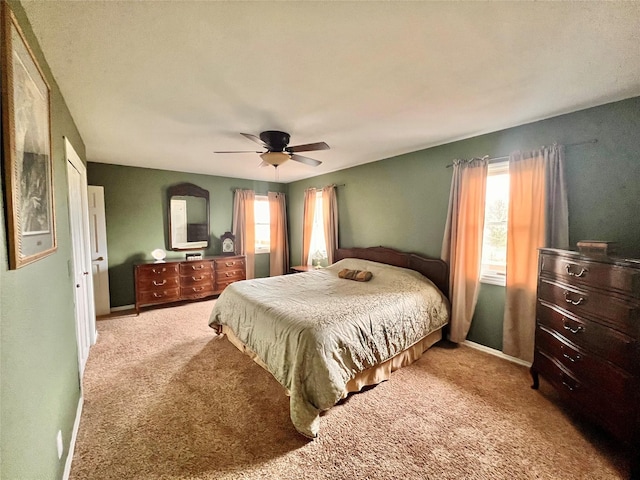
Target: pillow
pixel 357 275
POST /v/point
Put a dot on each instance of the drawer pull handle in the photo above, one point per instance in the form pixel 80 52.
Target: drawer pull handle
pixel 229 264
pixel 575 359
pixel 198 289
pixel 158 270
pixel 158 295
pixel 566 326
pixel 583 271
pixel 227 274
pixel 568 299
pixel 159 284
pixel 571 388
pixel 197 267
pixel 197 279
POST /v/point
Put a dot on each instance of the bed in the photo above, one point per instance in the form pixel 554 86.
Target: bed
pixel 323 337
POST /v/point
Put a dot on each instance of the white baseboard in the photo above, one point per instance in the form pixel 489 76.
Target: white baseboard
pixel 495 352
pixel 123 307
pixel 72 442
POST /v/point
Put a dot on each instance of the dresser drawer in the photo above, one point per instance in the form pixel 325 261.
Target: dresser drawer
pixel 230 275
pixel 197 291
pixel 221 285
pixel 195 266
pixel 585 366
pixel 197 278
pixel 155 271
pixel 159 296
pixel 597 275
pixel 231 263
pixel 158 283
pixel 620 314
pixel 591 400
pixel 609 344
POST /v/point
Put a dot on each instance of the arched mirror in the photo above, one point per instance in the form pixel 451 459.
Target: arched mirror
pixel 188 211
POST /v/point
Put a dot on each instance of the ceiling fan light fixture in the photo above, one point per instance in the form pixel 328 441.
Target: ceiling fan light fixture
pixel 275 158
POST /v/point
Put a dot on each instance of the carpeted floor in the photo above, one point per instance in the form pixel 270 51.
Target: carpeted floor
pixel 167 399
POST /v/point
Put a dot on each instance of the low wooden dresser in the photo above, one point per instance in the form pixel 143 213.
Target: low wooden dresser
pixel 177 280
pixel 587 339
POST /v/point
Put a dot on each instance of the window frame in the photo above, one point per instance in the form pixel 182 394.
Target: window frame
pixel 488 277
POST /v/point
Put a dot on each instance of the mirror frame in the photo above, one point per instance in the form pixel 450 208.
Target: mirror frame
pixel 187 190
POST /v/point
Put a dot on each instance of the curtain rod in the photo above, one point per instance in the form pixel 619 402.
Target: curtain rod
pixel 330 185
pixel 234 189
pixel 505 157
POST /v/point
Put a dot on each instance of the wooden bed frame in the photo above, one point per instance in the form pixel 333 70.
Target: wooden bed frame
pixel 434 269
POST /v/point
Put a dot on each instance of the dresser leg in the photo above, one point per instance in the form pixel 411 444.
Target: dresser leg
pixel 634 473
pixel 534 376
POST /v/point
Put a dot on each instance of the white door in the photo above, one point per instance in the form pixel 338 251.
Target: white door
pixel 80 241
pixel 99 261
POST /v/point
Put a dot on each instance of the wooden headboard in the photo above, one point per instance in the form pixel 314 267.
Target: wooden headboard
pixel 434 269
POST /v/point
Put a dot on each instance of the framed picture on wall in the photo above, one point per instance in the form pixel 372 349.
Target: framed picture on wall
pixel 26 132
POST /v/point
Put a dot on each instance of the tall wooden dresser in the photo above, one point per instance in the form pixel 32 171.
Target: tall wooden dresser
pixel 587 339
pixel 176 280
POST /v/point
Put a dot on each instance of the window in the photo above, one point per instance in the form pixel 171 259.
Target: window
pixel 262 219
pixel 318 248
pixel 494 243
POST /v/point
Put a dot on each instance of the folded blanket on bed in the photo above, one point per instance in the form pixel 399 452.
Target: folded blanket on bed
pixel 357 275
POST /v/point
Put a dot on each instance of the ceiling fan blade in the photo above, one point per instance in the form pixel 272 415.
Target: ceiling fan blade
pixel 253 138
pixel 308 147
pixel 306 160
pixel 240 151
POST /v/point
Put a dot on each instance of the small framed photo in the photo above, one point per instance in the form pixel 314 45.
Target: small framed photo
pixel 26 132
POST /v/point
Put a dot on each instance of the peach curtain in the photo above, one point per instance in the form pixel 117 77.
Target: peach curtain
pixel 462 243
pixel 538 217
pixel 279 243
pixel 330 220
pixel 244 227
pixel 307 223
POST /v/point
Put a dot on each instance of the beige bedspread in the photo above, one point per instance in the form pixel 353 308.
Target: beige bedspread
pixel 314 331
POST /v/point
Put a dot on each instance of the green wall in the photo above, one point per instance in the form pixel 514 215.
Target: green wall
pixel 401 202
pixel 136 210
pixel 39 386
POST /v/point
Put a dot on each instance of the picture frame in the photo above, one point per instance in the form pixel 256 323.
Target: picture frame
pixel 26 148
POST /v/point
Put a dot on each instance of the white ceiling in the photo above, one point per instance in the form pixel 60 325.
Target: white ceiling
pixel 164 84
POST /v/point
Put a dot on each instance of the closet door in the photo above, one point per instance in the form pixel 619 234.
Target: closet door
pixel 83 284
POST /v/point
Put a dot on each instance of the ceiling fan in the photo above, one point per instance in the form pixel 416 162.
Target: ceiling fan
pixel 277 150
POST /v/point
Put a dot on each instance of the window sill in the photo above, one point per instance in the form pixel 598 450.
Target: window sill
pixel 498 280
